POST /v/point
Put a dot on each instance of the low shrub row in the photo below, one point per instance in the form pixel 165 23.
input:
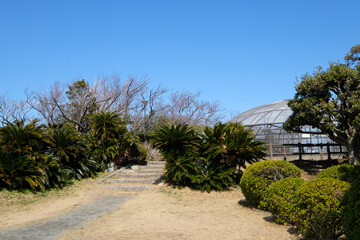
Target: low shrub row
pixel 327 207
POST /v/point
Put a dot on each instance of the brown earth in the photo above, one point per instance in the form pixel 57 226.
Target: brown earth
pixel 159 213
pixel 23 209
pixel 167 213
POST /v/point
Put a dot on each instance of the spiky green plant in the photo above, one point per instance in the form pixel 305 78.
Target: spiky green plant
pixel 110 140
pixel 68 146
pixel 213 175
pixel 18 171
pixel 179 171
pixel 232 143
pixel 176 140
pixel 23 139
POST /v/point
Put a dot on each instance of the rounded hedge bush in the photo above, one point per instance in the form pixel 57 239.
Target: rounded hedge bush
pixel 258 176
pixel 280 199
pixel 344 172
pixel 351 219
pixel 318 208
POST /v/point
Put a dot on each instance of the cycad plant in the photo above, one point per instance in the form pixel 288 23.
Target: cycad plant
pixel 110 140
pixel 232 143
pixel 181 170
pixel 68 146
pixel 23 139
pixel 21 149
pixel 18 171
pixel 176 140
pixel 212 175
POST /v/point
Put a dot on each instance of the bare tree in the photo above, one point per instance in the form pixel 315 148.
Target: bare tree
pixel 45 102
pixel 133 99
pixel 11 110
pixel 186 107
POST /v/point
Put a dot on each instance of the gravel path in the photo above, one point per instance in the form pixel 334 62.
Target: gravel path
pixel 49 230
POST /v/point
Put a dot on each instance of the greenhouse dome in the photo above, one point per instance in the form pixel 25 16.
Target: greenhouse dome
pixel 267 121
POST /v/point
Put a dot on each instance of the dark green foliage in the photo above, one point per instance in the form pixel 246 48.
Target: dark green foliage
pixel 280 197
pixel 179 171
pixel 21 147
pixel 212 175
pixel 258 176
pixel 211 165
pixel 142 151
pixel 319 211
pixel 343 172
pixel 23 139
pixel 176 140
pixel 330 101
pixel 110 141
pixel 20 172
pixel 68 146
pixel 351 217
pixel 232 144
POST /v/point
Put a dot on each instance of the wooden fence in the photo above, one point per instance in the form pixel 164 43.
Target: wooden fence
pixel 300 150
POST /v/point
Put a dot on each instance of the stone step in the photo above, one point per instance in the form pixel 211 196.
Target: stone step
pixel 131 188
pixel 132 180
pixel 127 175
pixel 156 164
pixel 144 170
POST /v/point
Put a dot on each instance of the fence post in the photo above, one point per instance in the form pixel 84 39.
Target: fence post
pixel 300 156
pixel 284 151
pixel 328 151
pixel 271 151
pixel 321 152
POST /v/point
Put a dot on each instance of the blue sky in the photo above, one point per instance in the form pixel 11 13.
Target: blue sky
pixel 241 53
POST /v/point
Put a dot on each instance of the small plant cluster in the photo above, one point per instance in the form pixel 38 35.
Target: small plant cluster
pixel 327 207
pixel 206 159
pixel 40 157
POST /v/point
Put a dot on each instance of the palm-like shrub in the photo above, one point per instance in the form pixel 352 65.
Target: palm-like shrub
pixel 22 146
pixel 20 172
pixel 212 175
pixel 68 146
pixel 110 141
pixel 176 140
pixel 23 139
pixel 232 144
pixel 180 171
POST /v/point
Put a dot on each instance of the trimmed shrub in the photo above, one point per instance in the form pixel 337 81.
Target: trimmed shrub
pixel 258 176
pixel 343 172
pixel 351 219
pixel 280 199
pixel 318 208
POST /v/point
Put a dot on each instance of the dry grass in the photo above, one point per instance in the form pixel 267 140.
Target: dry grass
pixel 19 209
pixel 168 213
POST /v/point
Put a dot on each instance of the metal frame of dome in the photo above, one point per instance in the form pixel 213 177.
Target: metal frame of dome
pixel 267 120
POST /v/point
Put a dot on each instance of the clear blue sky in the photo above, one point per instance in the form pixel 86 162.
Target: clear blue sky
pixel 241 53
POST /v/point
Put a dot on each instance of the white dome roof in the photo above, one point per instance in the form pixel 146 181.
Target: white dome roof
pixel 272 113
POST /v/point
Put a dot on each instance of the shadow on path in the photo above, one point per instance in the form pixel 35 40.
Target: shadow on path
pixel 50 229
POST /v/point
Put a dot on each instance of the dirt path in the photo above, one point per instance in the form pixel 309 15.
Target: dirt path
pixel 165 213
pixel 89 211
pixel 50 229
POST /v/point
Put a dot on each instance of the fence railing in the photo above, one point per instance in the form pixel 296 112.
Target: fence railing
pixel 301 149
